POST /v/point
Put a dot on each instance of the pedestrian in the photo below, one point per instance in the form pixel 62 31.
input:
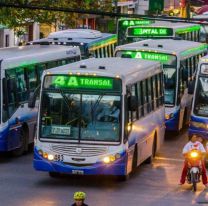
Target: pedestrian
pixel 79 198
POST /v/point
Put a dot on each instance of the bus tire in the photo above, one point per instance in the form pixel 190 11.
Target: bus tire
pixel 123 178
pixel 134 162
pixel 23 141
pixel 54 174
pixel 185 118
pixel 154 148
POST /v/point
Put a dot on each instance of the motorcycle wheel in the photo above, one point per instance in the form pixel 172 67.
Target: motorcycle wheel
pixel 194 181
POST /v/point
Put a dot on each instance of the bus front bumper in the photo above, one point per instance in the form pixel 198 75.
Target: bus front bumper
pixel 172 124
pixel 116 168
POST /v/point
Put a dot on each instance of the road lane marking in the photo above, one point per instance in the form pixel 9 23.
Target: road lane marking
pixel 169 159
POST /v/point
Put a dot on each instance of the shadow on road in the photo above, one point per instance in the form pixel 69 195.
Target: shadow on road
pixel 7 157
pixel 174 136
pixel 81 181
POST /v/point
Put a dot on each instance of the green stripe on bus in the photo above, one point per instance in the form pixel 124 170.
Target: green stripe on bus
pixel 188 29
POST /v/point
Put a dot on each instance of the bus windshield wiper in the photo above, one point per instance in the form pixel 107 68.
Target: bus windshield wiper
pixel 66 99
pixel 93 107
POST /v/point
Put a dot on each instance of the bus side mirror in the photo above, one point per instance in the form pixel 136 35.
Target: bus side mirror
pixel 191 86
pixel 133 103
pixel 32 100
pixel 33 97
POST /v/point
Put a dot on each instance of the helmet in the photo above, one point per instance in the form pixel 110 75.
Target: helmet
pixel 79 195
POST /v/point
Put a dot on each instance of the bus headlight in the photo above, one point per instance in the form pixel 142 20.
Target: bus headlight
pixel 40 152
pixel 199 125
pixel 169 116
pixel 50 157
pixel 45 155
pixel 111 158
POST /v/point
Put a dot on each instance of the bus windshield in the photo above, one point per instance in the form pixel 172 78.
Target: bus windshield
pixel 93 117
pixel 169 68
pixel 201 98
pixel 81 108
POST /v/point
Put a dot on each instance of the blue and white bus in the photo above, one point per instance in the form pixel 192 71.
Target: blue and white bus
pixel 199 113
pixel 20 73
pixel 92 43
pixel 101 116
pixel 180 59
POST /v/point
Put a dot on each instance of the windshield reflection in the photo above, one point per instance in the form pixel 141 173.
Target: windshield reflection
pixel 201 97
pixel 170 83
pixel 80 116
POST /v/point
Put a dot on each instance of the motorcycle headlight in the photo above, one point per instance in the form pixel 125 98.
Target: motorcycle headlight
pixel 194 154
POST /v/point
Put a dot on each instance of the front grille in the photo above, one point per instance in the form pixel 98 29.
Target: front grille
pixel 78 165
pixel 78 150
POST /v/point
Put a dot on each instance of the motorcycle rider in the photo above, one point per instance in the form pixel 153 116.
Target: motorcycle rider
pixel 193 144
pixel 79 198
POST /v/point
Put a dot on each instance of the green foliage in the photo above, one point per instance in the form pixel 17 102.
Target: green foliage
pixel 14 17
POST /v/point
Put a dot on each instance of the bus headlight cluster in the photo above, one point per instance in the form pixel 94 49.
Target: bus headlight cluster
pixel 169 116
pixel 45 155
pixel 111 158
pixel 199 125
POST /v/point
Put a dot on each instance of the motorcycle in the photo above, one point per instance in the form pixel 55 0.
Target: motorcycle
pixel 194 158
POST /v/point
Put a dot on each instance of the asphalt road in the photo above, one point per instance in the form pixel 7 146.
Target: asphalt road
pixel 149 185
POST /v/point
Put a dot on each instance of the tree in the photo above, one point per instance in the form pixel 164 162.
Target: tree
pixel 15 17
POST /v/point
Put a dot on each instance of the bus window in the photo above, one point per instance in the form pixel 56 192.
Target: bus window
pixel 140 100
pixel 40 68
pixel 155 93
pixel 32 77
pixel 109 51
pixel 133 93
pixel 21 85
pixel 52 64
pixel 149 95
pixel 144 94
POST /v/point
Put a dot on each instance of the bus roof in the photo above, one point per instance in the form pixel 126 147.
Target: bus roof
pixel 170 46
pixel 32 50
pixel 128 69
pixel 15 56
pixel 77 33
pixel 86 36
pixel 173 25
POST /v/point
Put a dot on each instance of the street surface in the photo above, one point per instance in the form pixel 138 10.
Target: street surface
pixel 150 185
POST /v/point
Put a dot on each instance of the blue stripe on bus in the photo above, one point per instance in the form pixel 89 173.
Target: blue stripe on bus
pixel 172 124
pixel 116 168
pixel 198 130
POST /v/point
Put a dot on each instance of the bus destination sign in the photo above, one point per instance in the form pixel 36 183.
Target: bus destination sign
pixel 81 82
pixel 149 32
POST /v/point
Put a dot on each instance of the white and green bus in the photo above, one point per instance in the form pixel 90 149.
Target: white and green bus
pixel 180 59
pixel 162 30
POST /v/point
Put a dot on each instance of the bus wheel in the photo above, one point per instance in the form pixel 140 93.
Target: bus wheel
pixel 154 147
pixel 134 162
pixel 23 141
pixel 54 174
pixel 185 118
pixel 123 178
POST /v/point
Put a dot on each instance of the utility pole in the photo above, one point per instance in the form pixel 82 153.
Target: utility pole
pixel 116 10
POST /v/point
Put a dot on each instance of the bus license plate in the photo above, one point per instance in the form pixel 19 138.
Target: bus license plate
pixel 77 172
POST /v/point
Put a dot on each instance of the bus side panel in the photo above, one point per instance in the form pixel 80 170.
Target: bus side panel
pixel 143 132
pixel 23 115
pixel 201 131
